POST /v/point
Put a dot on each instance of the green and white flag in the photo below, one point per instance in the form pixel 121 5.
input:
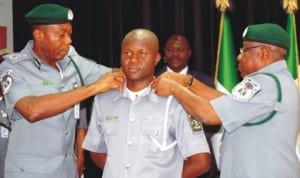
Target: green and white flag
pixel 226 75
pixel 293 55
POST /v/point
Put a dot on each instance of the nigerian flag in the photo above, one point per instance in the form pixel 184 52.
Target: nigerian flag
pixel 293 55
pixel 292 59
pixel 226 75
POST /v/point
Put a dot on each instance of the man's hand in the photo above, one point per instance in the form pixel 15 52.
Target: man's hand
pixel 110 81
pixel 166 83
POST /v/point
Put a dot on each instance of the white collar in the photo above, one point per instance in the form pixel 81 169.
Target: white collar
pixel 183 71
pixel 133 95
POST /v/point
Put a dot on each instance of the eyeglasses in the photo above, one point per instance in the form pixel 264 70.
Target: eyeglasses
pixel 242 50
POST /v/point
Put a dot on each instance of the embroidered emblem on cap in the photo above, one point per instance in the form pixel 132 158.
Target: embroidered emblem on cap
pixel 245 32
pixel 70 15
pixel 245 90
pixel 6 81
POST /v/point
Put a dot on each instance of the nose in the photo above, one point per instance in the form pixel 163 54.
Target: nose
pixel 174 52
pixel 134 57
pixel 239 57
pixel 68 39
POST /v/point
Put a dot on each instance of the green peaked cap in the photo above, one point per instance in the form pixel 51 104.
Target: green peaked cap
pixel 49 14
pixel 268 33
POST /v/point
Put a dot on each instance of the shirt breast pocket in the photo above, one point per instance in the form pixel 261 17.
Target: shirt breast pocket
pixel 109 127
pixel 152 132
pixel 109 130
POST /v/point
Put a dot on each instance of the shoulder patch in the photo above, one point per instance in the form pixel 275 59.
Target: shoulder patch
pixel 246 89
pixel 6 81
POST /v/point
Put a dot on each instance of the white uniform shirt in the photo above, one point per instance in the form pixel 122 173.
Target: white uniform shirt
pixel 266 150
pixel 123 128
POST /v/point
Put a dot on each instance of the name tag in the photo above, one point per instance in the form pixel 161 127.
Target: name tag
pixel 4 132
pixel 76 106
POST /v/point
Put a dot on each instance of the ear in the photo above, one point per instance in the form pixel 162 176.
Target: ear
pixel 266 52
pixel 189 53
pixel 37 34
pixel 157 58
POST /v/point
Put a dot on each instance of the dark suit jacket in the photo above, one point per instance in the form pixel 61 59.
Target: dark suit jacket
pixel 208 80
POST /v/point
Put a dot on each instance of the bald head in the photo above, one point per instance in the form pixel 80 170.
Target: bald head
pixel 142 36
pixel 139 56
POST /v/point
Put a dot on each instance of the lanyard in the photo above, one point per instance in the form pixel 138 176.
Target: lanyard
pixel 77 70
pixel 164 146
pixel 77 106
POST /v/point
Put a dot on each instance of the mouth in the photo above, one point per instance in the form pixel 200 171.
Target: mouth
pixel 174 59
pixel 133 69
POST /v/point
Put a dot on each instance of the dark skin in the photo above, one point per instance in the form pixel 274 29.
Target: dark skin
pixel 51 44
pixel 81 132
pixel 139 56
pixel 196 98
pixel 177 52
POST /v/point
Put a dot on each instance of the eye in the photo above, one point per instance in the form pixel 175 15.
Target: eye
pixel 143 53
pixel 169 49
pixel 127 53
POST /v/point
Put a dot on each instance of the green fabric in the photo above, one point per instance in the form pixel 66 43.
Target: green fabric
pixel 267 33
pixel 226 70
pixel 49 14
pixel 293 54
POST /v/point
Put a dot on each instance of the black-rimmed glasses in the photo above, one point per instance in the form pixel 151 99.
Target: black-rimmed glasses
pixel 251 47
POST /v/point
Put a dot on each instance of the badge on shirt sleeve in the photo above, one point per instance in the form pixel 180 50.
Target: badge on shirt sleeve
pixel 6 81
pixel 246 89
pixel 195 124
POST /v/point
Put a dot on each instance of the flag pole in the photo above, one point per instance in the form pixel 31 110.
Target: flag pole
pixel 290 6
pixel 222 5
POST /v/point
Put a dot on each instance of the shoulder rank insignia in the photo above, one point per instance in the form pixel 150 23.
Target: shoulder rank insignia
pixel 16 57
pixel 246 89
pixel 6 81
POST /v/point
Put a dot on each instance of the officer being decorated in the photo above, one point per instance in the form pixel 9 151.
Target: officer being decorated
pixel 4 123
pixel 260 117
pixel 42 86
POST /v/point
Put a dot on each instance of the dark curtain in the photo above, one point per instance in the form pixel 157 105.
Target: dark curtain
pixel 99 25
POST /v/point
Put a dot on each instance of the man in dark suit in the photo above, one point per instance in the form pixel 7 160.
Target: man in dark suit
pixel 177 54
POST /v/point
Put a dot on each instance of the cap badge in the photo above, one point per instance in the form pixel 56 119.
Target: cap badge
pixel 70 15
pixel 245 32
